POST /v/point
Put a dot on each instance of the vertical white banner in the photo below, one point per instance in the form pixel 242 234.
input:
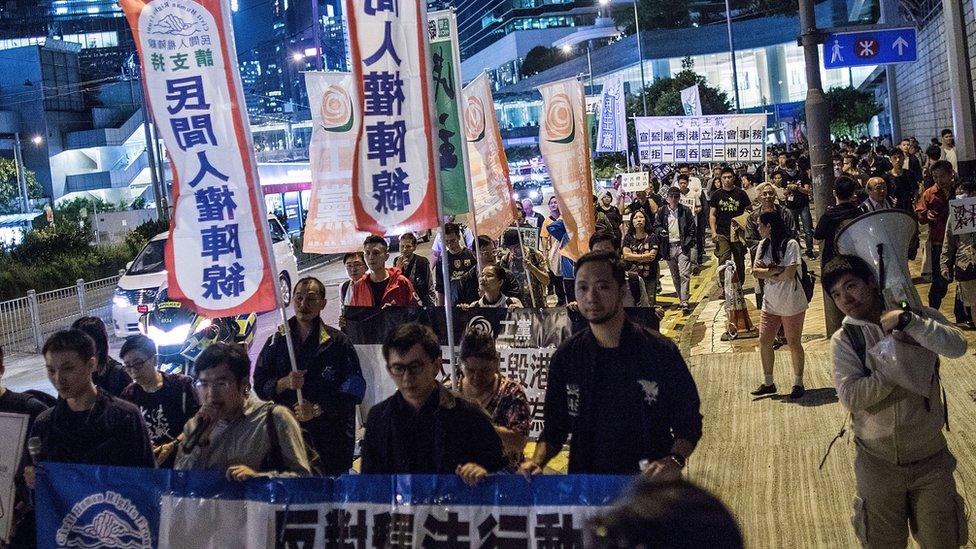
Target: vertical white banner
pixel 691 101
pixel 331 225
pixel 611 135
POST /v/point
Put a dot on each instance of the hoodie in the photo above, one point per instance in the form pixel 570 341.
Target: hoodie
pixel 399 291
pixel 890 422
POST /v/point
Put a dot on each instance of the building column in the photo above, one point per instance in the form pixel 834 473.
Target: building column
pixel 960 85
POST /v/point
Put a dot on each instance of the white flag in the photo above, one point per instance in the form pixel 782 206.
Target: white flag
pixel 691 101
pixel 612 130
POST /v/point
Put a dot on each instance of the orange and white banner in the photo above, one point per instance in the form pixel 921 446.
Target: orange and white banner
pixel 563 141
pixel 331 225
pixel 217 255
pixel 490 185
pixel 394 178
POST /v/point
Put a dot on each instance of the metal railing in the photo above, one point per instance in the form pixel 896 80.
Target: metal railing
pixel 25 322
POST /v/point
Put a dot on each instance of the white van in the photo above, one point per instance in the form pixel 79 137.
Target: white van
pixel 146 273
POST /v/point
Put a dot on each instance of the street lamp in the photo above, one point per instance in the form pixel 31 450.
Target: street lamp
pixel 37 140
pixel 297 57
pixel 640 57
pixel 567 49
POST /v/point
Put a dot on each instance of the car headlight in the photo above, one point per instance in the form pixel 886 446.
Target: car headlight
pixel 534 194
pixel 163 338
pixel 120 301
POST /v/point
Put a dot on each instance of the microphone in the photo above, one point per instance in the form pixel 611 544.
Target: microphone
pixel 34 448
pixel 194 439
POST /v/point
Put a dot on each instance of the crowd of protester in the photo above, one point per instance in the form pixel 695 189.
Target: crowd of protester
pixel 620 391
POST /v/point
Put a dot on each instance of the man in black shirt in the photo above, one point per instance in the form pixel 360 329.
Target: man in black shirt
pixel 622 391
pixel 87 425
pixel 459 261
pixel 167 401
pixel 425 428
pixel 328 375
pixel 415 267
pixel 725 205
pixel 830 222
pixel 109 375
pixel 469 282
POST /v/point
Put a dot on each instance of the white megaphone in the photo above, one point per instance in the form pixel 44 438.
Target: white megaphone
pixel 881 238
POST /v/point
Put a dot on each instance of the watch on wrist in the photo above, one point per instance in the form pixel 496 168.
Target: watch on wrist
pixel 677 458
pixel 903 319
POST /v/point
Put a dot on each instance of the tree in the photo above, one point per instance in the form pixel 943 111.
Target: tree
pixel 850 110
pixel 655 14
pixel 10 190
pixel 539 59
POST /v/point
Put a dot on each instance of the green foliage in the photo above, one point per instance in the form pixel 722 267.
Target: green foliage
pixel 850 110
pixel 539 59
pixel 607 165
pixel 9 189
pixel 655 14
pixel 522 152
pixel 70 211
pixel 58 255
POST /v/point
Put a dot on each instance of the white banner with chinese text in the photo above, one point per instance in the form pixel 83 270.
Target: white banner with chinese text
pixel 962 215
pixel 701 139
pixel 217 255
pixel 611 135
pixel 394 179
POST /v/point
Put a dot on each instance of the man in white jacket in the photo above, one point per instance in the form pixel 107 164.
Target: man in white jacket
pixel 902 466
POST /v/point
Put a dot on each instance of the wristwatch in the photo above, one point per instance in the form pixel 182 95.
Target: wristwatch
pixel 903 319
pixel 677 458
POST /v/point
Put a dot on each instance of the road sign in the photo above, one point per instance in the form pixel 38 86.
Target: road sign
pixel 869 47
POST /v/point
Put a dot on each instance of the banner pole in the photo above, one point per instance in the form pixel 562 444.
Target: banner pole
pixel 525 269
pixel 445 271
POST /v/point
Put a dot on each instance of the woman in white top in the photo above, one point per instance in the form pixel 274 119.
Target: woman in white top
pixel 784 302
pixel 490 283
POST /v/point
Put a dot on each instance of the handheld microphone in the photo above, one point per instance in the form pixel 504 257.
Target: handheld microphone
pixel 34 448
pixel 194 439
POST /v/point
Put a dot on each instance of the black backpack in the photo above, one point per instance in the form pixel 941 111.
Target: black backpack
pixel 807 279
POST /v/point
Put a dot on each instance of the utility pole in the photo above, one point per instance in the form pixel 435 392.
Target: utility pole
pixel 21 176
pixel 158 189
pixel 960 86
pixel 640 57
pixel 735 72
pixel 818 134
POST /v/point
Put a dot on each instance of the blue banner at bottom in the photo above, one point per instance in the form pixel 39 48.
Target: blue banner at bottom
pixel 119 507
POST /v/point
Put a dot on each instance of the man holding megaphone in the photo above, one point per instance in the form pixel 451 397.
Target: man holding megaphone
pixel 886 373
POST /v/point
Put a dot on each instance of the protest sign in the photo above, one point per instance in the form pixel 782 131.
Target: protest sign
pixel 701 139
pixel 962 215
pixel 634 181
pixel 564 147
pixel 394 179
pixel 331 226
pixel 13 432
pixel 218 252
pixel 88 506
pixel 525 339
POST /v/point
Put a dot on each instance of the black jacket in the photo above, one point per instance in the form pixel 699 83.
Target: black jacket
pixel 686 228
pixel 333 380
pixel 418 271
pixel 652 360
pixel 461 433
pixel 830 222
pixel 113 432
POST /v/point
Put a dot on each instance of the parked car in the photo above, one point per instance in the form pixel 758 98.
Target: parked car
pixel 137 288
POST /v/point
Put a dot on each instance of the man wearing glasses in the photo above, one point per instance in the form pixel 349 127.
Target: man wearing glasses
pixel 240 436
pixel 166 401
pixel 328 375
pixel 425 428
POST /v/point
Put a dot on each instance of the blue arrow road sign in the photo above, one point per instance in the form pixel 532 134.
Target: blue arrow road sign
pixel 869 47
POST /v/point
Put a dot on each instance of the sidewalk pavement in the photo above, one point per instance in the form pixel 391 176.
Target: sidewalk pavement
pixel 761 456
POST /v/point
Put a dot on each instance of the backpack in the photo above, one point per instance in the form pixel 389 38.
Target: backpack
pixel 807 279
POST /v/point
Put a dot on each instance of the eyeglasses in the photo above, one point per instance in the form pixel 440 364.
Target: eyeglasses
pixel 414 368
pixel 219 385
pixel 134 365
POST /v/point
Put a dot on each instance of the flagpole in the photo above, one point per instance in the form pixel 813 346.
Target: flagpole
pixel 445 271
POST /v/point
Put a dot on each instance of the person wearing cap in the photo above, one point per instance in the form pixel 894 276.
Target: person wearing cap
pixel 676 225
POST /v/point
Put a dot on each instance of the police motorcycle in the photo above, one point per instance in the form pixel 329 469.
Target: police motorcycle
pixel 180 334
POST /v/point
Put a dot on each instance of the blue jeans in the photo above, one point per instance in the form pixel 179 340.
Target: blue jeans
pixel 805 224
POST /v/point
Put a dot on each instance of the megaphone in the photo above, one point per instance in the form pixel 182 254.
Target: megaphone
pixel 881 238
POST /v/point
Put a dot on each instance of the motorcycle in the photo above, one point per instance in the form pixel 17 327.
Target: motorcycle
pixel 180 334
